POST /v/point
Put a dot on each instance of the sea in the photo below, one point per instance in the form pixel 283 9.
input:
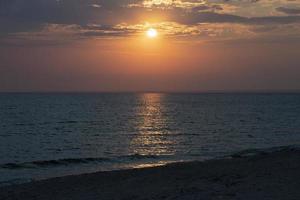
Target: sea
pixel 45 135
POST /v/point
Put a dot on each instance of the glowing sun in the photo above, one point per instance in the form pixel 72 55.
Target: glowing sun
pixel 152 33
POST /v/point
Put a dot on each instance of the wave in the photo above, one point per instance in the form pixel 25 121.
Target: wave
pixel 253 152
pixel 72 161
pixel 134 157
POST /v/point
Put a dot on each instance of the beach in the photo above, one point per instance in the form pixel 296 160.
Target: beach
pixel 267 175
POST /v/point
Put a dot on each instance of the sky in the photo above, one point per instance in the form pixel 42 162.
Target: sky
pixel 102 46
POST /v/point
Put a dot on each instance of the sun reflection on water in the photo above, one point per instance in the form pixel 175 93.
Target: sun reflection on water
pixel 152 127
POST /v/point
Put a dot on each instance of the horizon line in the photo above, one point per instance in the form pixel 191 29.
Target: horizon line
pixel 158 91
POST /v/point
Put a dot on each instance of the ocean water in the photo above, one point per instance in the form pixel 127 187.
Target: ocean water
pixel 50 135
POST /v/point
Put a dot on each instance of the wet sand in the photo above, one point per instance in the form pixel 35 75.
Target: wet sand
pixel 265 176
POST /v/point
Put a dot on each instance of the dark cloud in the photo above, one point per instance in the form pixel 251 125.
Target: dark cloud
pixel 251 1
pixel 202 7
pixel 212 17
pixel 30 15
pixel 206 8
pixel 290 11
pixel 18 16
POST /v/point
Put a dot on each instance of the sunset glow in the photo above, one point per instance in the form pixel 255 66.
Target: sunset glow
pixel 152 33
pixel 149 45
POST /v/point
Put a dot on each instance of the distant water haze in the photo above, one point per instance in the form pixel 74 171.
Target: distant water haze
pixel 134 65
pixel 47 135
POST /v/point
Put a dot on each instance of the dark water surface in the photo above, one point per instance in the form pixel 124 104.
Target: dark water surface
pixel 48 135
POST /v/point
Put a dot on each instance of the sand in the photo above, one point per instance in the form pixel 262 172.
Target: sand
pixel 266 176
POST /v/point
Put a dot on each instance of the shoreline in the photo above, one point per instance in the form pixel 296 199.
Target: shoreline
pixel 39 164
pixel 266 175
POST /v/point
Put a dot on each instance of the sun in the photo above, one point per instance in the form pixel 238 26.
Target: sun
pixel 151 33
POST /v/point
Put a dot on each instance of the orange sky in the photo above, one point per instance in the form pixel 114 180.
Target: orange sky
pixel 102 45
pixel 137 65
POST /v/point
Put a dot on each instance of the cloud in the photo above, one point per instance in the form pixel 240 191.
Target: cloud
pixel 56 34
pixel 95 5
pixel 290 11
pixel 212 17
pixel 167 4
pixel 51 20
pixel 211 8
